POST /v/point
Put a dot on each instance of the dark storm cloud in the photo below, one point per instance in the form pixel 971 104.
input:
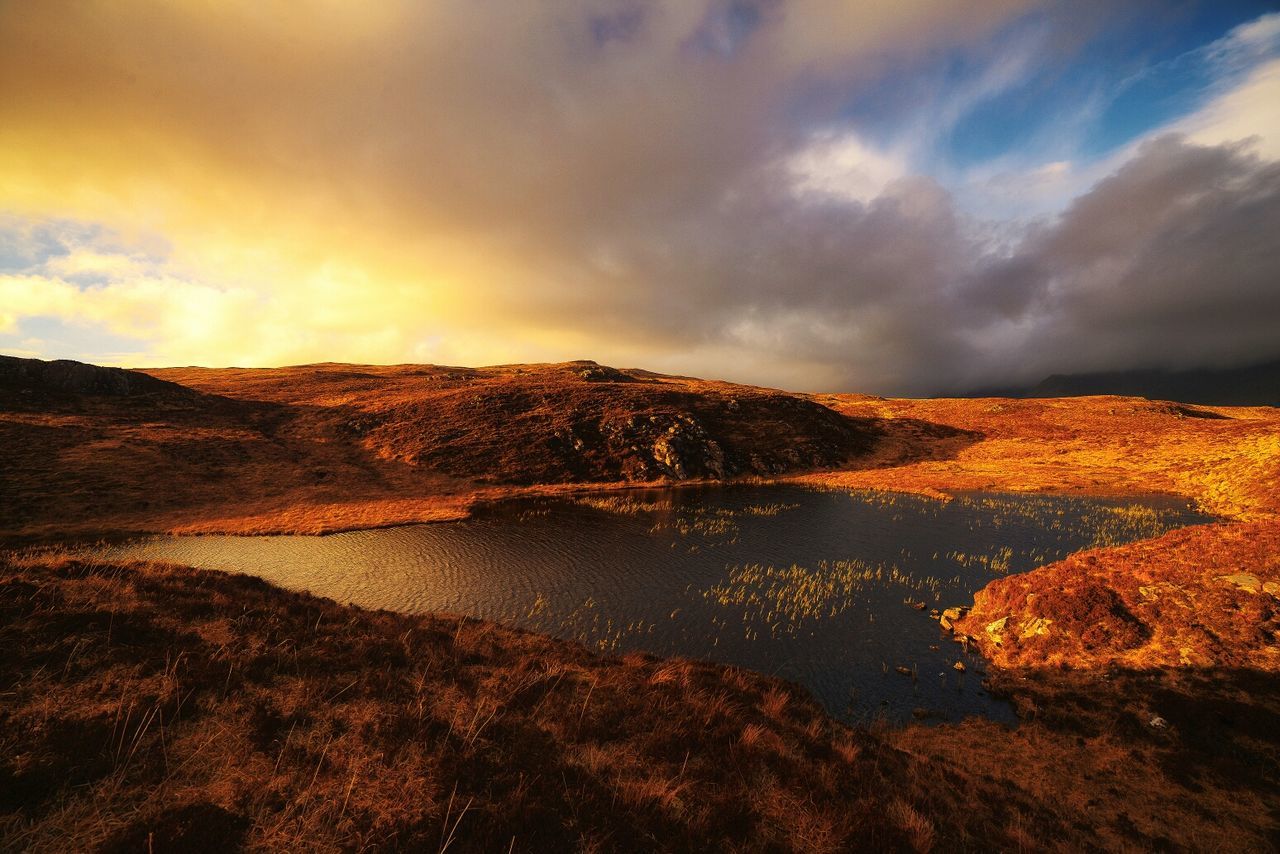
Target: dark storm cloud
pixel 1172 261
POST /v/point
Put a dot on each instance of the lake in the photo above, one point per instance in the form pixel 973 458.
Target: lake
pixel 812 585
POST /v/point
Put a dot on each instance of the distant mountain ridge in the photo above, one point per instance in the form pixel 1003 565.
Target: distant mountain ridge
pixel 1256 385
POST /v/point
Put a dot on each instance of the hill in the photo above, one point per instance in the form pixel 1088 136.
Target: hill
pixel 323 447
pixel 41 380
pixel 1255 385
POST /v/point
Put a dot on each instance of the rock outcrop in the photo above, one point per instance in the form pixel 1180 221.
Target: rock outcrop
pixel 586 422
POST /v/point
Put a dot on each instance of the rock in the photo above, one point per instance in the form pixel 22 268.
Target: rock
pixel 950 615
pixel 959 667
pixel 995 630
pixel 683 449
pixel 1037 627
pixel 1246 581
pixel 594 373
pixel 1158 722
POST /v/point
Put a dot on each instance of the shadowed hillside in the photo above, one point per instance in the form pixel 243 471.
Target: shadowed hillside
pixel 34 380
pixel 323 447
pixel 553 423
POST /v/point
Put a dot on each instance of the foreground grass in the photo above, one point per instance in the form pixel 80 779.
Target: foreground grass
pixel 147 707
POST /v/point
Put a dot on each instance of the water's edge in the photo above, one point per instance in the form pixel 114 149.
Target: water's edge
pixel 818 586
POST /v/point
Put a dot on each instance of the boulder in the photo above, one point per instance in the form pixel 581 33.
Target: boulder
pixel 950 616
pixel 1034 628
pixel 1246 581
pixel 995 630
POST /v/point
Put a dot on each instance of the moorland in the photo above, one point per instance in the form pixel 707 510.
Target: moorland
pixel 150 705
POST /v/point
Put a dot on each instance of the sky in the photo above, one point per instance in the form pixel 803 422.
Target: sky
pixel 912 198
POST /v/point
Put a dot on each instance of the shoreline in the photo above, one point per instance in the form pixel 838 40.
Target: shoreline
pixel 255 526
pixel 1092 649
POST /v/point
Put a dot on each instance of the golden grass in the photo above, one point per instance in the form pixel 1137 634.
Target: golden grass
pixel 1228 462
pixel 1153 603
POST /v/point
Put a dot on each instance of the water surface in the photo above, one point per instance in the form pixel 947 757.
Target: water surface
pixel 811 585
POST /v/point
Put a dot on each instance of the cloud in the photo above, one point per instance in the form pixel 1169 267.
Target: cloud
pixel 1171 261
pixel 842 166
pixel 1248 112
pixel 667 184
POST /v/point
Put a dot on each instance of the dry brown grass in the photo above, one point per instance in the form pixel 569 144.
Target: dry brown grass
pixel 1185 599
pixel 144 705
pixel 320 448
pixel 1148 604
pixel 1086 747
pixel 918 828
pixel 1225 458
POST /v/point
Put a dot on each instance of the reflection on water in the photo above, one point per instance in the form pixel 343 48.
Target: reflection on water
pixel 820 587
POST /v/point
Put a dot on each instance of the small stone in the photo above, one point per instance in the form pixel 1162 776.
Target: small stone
pixel 1158 722
pixel 950 615
pixel 959 667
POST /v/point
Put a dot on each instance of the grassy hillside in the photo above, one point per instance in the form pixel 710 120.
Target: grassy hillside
pixel 154 708
pixel 323 447
pixel 145 706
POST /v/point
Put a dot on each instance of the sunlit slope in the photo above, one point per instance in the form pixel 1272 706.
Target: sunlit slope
pixel 1204 596
pixel 1226 458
